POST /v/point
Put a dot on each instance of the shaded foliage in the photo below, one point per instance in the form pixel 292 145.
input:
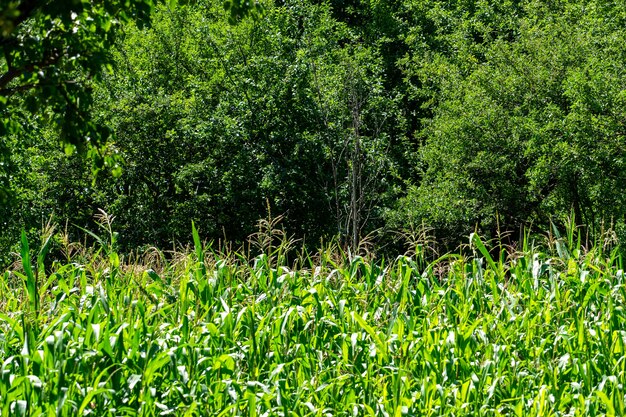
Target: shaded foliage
pixel 348 118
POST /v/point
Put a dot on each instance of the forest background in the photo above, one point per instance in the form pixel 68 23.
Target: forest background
pixel 352 119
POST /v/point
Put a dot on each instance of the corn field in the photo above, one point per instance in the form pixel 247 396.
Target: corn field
pixel 539 331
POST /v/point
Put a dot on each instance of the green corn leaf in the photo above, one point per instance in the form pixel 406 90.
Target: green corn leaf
pixel 31 279
pixel 382 347
pixel 475 239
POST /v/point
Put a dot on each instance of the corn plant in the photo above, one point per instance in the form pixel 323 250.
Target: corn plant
pixel 538 332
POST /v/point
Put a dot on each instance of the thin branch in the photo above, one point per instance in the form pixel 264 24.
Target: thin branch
pixel 7 92
pixel 51 59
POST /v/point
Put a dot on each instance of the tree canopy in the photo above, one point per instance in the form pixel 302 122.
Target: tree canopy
pixel 351 119
pixel 51 49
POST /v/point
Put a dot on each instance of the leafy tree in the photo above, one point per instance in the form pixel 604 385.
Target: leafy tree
pixel 50 50
pixel 532 129
pixel 214 121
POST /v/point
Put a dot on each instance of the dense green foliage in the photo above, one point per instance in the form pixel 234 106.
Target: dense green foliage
pixel 243 116
pixel 352 122
pixel 538 332
pixel 529 123
pixel 348 118
pixel 51 50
